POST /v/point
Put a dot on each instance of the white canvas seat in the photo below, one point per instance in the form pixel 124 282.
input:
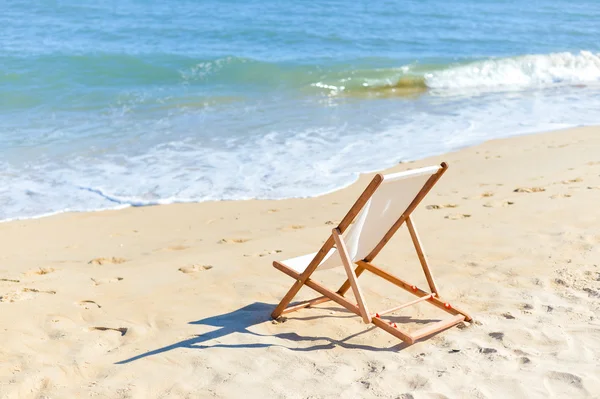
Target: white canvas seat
pixel 376 218
pixel 383 207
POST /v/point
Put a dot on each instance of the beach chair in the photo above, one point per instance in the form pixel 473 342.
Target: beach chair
pixel 386 204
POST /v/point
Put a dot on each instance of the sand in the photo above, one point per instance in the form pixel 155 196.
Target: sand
pixel 174 301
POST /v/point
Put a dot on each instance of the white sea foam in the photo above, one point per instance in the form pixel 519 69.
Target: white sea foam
pixel 519 72
pixel 491 75
pixel 299 158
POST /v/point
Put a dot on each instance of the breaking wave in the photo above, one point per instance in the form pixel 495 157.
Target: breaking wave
pixel 516 73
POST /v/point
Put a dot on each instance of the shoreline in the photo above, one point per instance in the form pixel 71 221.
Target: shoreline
pixel 175 300
pixel 393 168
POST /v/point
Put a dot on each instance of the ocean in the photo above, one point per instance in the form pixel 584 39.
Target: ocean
pixel 128 103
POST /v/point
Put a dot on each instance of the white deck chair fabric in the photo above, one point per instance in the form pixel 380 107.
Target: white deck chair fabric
pixel 375 219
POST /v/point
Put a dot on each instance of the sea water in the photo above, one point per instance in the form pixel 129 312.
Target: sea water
pixel 108 104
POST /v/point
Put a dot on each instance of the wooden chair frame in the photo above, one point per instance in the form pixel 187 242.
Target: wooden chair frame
pixel 336 239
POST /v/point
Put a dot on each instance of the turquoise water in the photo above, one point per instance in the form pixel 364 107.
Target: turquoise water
pixel 112 104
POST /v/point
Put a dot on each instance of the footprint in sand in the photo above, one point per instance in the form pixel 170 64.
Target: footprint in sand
pixel 36 291
pixel 87 304
pixel 529 190
pixel 271 252
pixel 526 307
pixel 558 146
pixel 498 204
pixel 486 194
pixel 233 240
pixel 565 385
pixel 23 294
pixel 174 248
pixel 524 360
pixel 177 247
pixel 457 216
pixel 497 335
pixel 265 253
pixel 194 268
pixel 576 180
pixel 40 272
pixel 293 227
pixel 106 280
pixel 441 206
pixel 107 261
pixel 121 330
pixel 594 276
pixel 375 367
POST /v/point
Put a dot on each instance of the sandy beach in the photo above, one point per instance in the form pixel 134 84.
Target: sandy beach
pixel 174 301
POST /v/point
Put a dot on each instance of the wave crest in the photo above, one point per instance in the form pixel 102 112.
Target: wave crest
pixel 502 74
pixel 520 72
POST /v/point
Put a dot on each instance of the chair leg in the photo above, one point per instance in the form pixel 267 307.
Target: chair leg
pixel 347 262
pixel 278 311
pixel 421 254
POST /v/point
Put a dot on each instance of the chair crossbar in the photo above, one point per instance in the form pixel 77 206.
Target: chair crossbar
pixel 436 327
pixel 404 305
pixel 306 304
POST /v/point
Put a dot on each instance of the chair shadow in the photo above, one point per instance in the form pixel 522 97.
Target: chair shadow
pixel 240 320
